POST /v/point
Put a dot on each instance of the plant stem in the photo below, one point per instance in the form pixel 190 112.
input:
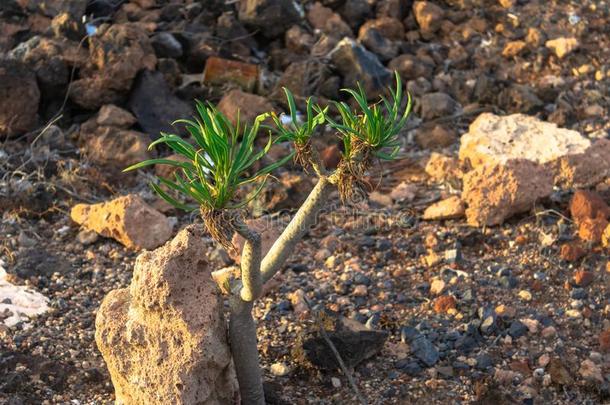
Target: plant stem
pixel 305 217
pixel 242 337
pixel 252 285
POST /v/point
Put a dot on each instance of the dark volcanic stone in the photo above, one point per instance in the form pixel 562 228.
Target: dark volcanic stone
pixel 356 64
pixel 352 340
pixel 271 17
pixel 154 104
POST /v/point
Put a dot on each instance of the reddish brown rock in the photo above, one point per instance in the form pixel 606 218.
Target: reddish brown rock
pixel 127 219
pixel 583 278
pixel 111 115
pixel 327 21
pixel 571 252
pixel 19 98
pixel 437 136
pixel 114 147
pixel 164 338
pixel 116 54
pixel 591 230
pixel 604 341
pixel 588 204
pixel 219 71
pixel 444 303
pixel 248 106
pixel 495 192
pixel 428 15
pixel 390 28
pixel 331 156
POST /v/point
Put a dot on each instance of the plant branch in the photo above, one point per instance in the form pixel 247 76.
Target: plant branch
pixel 305 217
pixel 252 285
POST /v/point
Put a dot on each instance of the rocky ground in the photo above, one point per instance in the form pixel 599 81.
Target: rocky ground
pixel 482 254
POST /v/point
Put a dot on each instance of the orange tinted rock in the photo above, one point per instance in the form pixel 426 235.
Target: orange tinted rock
pixel 606 237
pixel 248 106
pixel 428 15
pixel 583 278
pixel 444 303
pixel 495 192
pixel 127 219
pixel 588 204
pixel 168 329
pixel 571 252
pixel 219 71
pixel 450 208
pixel 440 167
pixel 513 48
pixel 331 155
pixel 591 230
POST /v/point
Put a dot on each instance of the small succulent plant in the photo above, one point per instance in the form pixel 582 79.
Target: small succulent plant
pixel 221 159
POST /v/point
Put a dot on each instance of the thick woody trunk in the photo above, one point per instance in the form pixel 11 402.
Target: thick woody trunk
pixel 254 273
pixel 242 337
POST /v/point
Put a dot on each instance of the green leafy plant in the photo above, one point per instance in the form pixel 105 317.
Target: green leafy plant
pixel 374 128
pixel 217 165
pixel 221 161
pixel 372 131
pixel 299 132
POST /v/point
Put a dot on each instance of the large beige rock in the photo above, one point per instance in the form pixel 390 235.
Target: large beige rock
pixel 127 219
pixel 164 338
pixel 495 192
pixel 572 159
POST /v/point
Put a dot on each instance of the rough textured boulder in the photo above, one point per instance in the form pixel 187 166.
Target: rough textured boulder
pixel 271 17
pixel 572 159
pixel 354 342
pixel 116 54
pixel 19 98
pixel 495 192
pixel 357 65
pixel 155 106
pixel 164 338
pixel 248 105
pixel 127 219
pixel 106 139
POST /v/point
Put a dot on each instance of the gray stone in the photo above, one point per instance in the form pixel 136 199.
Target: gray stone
pixel 357 65
pixel 154 104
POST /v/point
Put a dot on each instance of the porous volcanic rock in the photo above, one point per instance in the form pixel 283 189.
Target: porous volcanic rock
pixel 572 159
pixel 127 219
pixel 116 54
pixel 164 338
pixel 495 192
pixel 358 65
